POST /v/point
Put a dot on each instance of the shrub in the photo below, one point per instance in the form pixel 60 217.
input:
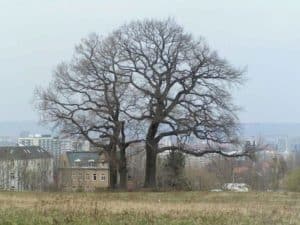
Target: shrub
pixel 292 181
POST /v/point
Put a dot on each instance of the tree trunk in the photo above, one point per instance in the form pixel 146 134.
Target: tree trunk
pixel 113 172
pixel 113 176
pixel 150 176
pixel 123 179
pixel 123 169
pixel 151 156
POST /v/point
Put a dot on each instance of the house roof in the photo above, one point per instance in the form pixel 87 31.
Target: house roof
pixel 83 158
pixel 23 152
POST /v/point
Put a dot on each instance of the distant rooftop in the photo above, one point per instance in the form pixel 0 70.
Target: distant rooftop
pixel 84 158
pixel 23 152
pixel 38 136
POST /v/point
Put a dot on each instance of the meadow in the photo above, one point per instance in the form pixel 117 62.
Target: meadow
pixel 161 208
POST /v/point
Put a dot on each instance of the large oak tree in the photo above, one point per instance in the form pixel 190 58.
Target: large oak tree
pixel 184 89
pixel 150 81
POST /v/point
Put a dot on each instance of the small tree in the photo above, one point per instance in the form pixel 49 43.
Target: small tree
pixel 175 162
pixel 173 170
pixel 278 170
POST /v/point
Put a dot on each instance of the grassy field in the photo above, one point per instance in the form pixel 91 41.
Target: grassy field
pixel 150 208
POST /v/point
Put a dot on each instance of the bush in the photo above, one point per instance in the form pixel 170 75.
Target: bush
pixel 292 181
pixel 171 172
pixel 52 188
pixel 80 189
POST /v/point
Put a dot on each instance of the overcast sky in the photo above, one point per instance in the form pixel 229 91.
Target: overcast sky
pixel 262 35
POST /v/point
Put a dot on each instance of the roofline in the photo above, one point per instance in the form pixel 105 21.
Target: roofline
pixel 72 152
pixel 84 151
pixel 32 158
pixel 82 168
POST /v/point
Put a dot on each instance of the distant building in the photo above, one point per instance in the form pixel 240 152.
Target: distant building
pixel 25 168
pixel 83 171
pixel 72 144
pixel 294 144
pixel 7 141
pixel 47 142
pixel 56 145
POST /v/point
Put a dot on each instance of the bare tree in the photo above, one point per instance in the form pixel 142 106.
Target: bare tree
pixel 184 90
pixel 85 99
pixel 154 74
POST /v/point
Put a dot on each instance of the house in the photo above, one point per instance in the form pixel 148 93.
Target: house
pixel 25 168
pixel 46 141
pixel 83 171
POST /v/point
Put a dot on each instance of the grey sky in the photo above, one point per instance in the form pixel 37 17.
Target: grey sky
pixel 262 35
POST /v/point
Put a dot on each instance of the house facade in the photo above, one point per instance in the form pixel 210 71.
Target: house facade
pixel 26 168
pixel 83 171
pixel 47 142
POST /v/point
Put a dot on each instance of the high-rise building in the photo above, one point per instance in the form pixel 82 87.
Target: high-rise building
pixel 74 145
pixel 7 141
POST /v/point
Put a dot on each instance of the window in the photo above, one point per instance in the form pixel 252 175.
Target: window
pixel 102 177
pixel 12 176
pixel 87 176
pixel 95 176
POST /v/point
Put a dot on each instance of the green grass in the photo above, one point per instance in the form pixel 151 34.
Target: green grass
pixel 150 208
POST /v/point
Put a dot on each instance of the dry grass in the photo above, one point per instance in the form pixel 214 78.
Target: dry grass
pixel 150 208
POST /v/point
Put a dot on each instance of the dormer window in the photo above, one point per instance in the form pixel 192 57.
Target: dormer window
pixel 91 163
pixel 77 162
